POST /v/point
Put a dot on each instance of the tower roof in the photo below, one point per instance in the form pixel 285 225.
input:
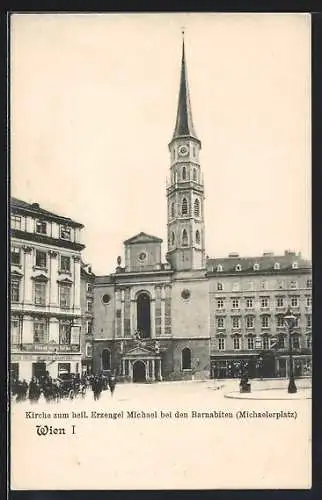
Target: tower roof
pixel 184 124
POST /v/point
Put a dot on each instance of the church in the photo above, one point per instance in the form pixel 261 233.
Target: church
pixel 190 316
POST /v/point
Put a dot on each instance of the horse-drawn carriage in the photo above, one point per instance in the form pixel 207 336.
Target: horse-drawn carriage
pixel 70 386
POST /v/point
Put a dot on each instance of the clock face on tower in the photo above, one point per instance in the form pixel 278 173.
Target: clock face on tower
pixel 183 151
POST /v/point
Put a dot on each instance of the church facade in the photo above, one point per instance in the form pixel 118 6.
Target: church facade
pixel 190 317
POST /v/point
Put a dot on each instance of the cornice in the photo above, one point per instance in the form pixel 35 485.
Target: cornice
pixel 47 240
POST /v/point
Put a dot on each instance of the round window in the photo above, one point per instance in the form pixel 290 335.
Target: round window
pixel 106 298
pixel 185 294
pixel 142 256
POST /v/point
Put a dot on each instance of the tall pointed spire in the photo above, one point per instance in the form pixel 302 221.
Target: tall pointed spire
pixel 184 124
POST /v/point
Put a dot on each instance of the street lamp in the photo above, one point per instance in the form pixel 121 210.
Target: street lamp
pixel 290 322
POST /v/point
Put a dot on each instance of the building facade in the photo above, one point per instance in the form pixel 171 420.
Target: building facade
pixel 87 309
pixel 45 292
pixel 192 316
pixel 248 301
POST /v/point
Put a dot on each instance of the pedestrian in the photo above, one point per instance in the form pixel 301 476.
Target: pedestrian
pixel 34 391
pixel 97 386
pixel 112 384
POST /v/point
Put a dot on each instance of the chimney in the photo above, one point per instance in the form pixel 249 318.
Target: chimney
pixel 234 255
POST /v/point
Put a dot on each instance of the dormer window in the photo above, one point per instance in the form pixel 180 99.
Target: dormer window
pixel 295 265
pixel 65 232
pixel 238 267
pixel 277 266
pixel 256 267
pixel 41 227
pixel 219 268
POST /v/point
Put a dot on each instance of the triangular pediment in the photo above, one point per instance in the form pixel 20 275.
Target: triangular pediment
pixel 40 277
pixel 139 351
pixel 16 274
pixel 142 238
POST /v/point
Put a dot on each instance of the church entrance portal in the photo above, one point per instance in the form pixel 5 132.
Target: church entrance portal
pixel 143 315
pixel 139 372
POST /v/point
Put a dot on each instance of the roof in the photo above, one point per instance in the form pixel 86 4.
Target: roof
pixel 184 123
pixel 142 238
pixel 265 263
pixel 36 210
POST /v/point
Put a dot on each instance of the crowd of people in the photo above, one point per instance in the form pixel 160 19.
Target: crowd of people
pixel 67 386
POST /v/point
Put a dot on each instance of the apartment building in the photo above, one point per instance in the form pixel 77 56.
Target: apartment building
pixel 45 291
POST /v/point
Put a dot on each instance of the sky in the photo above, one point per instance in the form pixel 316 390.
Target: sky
pixel 93 108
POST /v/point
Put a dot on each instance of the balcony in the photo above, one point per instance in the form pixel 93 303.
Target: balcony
pixel 36 347
pixel 220 311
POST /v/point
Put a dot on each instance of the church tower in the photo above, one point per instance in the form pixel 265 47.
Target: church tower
pixel 185 190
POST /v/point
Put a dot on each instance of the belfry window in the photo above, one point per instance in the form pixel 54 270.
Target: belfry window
pixel 172 238
pixel 197 207
pixel 194 175
pixel 184 173
pixel 172 209
pixel 197 237
pixel 184 208
pixel 184 238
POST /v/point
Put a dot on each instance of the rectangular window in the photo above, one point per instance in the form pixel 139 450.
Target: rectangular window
pixel 249 322
pixel 15 331
pixel 308 321
pixel 281 342
pixel 250 286
pixel 236 322
pixel 264 302
pixel 263 285
pixel 40 294
pixel 40 331
pixel 296 342
pixel 250 343
pixel 309 342
pixel 15 290
pixel 280 302
pixel 64 296
pixel 280 323
pixel 221 344
pixel 308 301
pixel 15 222
pixel 266 343
pixel 89 306
pixel 235 303
pixel 308 283
pixel 220 286
pixel 265 321
pixel 65 232
pixel 89 326
pixel 15 256
pixel 294 302
pixel 280 285
pixel 41 259
pixel 64 332
pixel 63 368
pixel 220 323
pixel 220 303
pixel 236 286
pixel 41 227
pixel 89 287
pixel 88 350
pixel 65 264
pixel 292 284
pixel 237 343
pixel 249 303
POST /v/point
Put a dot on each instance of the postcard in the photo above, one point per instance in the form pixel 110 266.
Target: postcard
pixel 160 274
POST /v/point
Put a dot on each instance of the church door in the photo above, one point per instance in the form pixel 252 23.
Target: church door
pixel 139 373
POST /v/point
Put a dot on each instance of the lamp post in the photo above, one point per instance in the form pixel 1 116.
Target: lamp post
pixel 290 322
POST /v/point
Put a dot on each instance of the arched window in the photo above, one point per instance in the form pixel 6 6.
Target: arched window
pixel 197 207
pixel 256 267
pixel 194 175
pixel 106 359
pixel 173 213
pixel 197 237
pixel 184 173
pixel 277 266
pixel 186 359
pixel 184 208
pixel 173 238
pixel 184 238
